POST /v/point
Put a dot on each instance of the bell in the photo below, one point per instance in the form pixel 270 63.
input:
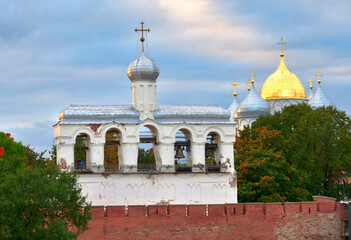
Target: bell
pixel 207 153
pixel 179 153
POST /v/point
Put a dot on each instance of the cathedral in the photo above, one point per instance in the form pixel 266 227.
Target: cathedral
pixel 280 89
pixel 192 145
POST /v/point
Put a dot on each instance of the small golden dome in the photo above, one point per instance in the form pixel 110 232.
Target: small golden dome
pixel 283 84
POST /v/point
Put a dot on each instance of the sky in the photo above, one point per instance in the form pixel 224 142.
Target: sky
pixel 57 53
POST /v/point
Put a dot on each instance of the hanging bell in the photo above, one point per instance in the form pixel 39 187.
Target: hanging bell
pixel 207 153
pixel 179 153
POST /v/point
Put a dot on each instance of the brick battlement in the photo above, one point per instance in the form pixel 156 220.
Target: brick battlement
pixel 301 220
pixel 245 209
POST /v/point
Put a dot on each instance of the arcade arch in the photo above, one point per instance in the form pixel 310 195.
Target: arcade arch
pixel 82 159
pixel 182 150
pixel 148 151
pixel 112 149
pixel 212 152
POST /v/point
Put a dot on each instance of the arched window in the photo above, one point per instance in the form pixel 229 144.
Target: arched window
pixel 212 155
pixel 148 155
pixel 111 153
pixel 182 148
pixel 81 153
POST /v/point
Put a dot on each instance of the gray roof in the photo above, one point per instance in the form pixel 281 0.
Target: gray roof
pixel 252 106
pixel 98 114
pixel 320 99
pixel 191 114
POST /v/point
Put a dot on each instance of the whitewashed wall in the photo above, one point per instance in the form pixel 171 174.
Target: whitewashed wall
pixel 151 189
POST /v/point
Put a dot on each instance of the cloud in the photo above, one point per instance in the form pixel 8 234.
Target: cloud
pixel 54 53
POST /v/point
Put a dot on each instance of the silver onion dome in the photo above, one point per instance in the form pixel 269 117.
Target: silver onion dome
pixel 320 99
pixel 233 107
pixel 143 68
pixel 252 106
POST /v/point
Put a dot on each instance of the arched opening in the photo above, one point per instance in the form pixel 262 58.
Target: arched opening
pixel 182 148
pixel 111 149
pixel 148 154
pixel 81 152
pixel 212 155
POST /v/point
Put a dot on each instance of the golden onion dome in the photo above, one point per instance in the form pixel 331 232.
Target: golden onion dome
pixel 282 84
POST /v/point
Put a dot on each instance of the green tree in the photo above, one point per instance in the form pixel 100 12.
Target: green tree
pixel 38 201
pixel 53 152
pixel 10 147
pixel 146 156
pixel 264 174
pixel 322 147
pixel 319 144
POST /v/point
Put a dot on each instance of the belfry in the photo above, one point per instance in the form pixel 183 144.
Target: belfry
pixel 192 146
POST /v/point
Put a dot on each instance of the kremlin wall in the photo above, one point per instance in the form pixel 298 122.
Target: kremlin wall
pixel 321 219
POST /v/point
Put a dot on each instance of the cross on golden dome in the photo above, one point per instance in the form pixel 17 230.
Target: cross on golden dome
pixel 310 81
pixel 142 30
pixel 281 43
pixel 248 84
pixel 319 75
pixel 234 85
pixel 252 75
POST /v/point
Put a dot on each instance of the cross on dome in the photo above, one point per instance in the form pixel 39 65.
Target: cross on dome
pixel 234 85
pixel 319 75
pixel 142 30
pixel 310 81
pixel 248 84
pixel 281 43
pixel 252 75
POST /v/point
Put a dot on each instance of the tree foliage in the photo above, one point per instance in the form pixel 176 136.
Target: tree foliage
pixel 318 145
pixel 111 151
pixel 38 201
pixel 10 148
pixel 146 156
pixel 264 174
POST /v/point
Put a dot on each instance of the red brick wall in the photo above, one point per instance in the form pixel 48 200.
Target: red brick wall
pixel 307 220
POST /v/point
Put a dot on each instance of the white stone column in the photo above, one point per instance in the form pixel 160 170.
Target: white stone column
pixel 96 157
pixel 226 154
pixel 166 151
pixel 198 157
pixel 158 161
pixel 65 156
pixel 130 157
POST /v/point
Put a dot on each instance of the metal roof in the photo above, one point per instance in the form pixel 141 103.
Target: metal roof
pixel 191 114
pixel 320 99
pixel 252 106
pixel 97 114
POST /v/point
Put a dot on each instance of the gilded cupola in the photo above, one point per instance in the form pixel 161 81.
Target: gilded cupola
pixel 282 84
